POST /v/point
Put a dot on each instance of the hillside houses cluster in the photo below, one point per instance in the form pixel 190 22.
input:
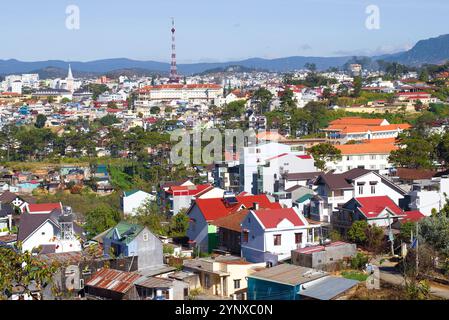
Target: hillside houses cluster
pixel 258 228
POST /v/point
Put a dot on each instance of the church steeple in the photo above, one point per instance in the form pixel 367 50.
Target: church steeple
pixel 70 81
pixel 70 74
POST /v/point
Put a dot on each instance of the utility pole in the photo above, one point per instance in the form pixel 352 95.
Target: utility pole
pixel 390 236
pixel 417 248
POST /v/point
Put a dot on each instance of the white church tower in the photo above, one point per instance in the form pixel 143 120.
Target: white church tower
pixel 70 81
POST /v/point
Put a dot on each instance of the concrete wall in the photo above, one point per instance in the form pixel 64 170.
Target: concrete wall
pixel 318 260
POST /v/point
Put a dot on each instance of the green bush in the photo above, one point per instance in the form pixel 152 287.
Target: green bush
pixel 353 275
pixel 334 235
pixel 357 232
pixel 359 261
pixel 168 249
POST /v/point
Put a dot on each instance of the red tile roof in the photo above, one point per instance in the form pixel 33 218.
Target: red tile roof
pixel 189 190
pixel 43 207
pixel 215 208
pixel 413 216
pixel 371 207
pixel 272 217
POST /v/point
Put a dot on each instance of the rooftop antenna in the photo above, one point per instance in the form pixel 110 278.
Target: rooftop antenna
pixel 174 77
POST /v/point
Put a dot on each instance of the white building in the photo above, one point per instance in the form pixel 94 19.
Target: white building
pixel 16 87
pixel 272 170
pixel 270 235
pixel 337 189
pixel 252 157
pixel 53 232
pixel 428 195
pixel 194 93
pixel 133 200
pixel 30 80
pixel 371 156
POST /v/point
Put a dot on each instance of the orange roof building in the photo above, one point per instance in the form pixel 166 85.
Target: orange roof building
pixel 180 92
pixel 341 131
pixel 369 155
pixel 367 148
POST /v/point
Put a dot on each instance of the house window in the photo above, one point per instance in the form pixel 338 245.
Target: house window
pixel 237 284
pixel 245 236
pixel 277 240
pixel 298 238
pixel 145 237
pixel 166 294
pixel 373 189
pixel 360 189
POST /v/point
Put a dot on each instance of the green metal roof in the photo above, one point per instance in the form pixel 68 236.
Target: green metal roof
pixel 130 193
pixel 126 231
pixel 305 198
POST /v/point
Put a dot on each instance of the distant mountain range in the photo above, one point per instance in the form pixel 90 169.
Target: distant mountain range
pixel 430 51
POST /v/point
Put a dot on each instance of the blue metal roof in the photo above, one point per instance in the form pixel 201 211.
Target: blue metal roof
pixel 327 288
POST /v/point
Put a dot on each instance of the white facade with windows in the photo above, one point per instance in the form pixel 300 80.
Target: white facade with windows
pixel 367 161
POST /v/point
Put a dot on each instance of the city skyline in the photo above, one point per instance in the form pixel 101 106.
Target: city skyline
pixel 216 32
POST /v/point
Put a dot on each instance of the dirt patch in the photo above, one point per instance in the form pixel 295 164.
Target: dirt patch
pixel 386 292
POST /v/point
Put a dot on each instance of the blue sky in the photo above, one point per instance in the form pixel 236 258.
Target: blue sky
pixel 212 30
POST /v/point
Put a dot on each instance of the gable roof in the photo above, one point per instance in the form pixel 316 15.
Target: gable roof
pixel 29 223
pixel 342 180
pixel 215 208
pixel 126 231
pixel 372 207
pixel 8 197
pixel 270 218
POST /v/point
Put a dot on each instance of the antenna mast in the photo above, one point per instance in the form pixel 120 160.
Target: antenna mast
pixel 174 77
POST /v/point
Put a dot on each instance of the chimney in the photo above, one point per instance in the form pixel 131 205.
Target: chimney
pixel 256 206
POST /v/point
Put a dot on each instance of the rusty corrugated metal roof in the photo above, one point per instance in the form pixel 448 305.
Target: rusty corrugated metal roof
pixel 113 280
